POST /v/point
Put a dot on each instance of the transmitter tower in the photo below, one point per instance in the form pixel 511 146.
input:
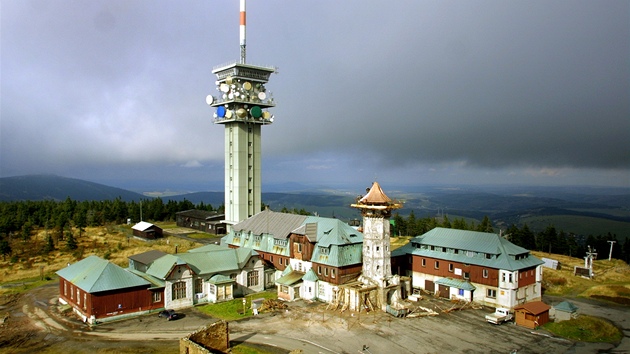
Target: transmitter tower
pixel 241 106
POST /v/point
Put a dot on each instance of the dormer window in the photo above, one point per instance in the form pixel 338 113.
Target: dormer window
pixel 324 251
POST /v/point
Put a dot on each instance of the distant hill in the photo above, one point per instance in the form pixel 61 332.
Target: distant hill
pixel 51 187
pixel 579 210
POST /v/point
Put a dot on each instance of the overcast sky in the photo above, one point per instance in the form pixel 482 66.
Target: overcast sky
pixel 405 92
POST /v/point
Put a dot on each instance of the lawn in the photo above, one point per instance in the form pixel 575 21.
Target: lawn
pixel 233 309
pixel 585 329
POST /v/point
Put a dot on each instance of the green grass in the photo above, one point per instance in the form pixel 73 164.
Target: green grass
pixel 233 309
pixel 200 235
pixel 24 285
pixel 585 329
pixel 245 349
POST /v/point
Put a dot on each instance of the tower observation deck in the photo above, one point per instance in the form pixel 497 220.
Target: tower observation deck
pixel 242 107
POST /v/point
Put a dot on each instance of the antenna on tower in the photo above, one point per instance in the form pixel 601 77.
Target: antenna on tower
pixel 242 31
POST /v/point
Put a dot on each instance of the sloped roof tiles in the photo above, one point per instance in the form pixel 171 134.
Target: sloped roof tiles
pixel 479 248
pixel 94 274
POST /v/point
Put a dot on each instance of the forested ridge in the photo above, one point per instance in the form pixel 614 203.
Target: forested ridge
pixel 20 219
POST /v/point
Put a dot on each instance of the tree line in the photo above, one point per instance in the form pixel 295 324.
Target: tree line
pixel 19 219
pixel 550 240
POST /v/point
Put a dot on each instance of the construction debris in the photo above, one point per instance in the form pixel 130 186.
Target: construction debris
pixel 272 305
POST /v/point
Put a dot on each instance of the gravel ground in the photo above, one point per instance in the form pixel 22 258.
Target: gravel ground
pixel 32 323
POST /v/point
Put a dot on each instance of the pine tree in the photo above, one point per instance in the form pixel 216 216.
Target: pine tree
pixel 71 243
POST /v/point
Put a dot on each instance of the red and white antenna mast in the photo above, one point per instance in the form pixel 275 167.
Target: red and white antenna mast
pixel 242 31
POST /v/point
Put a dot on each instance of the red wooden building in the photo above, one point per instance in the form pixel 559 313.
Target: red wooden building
pixel 532 314
pixel 98 290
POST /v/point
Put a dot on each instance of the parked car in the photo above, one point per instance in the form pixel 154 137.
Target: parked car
pixel 168 314
pixel 499 316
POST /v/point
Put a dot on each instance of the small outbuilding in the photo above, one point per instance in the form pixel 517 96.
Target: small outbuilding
pixel 564 311
pixel 532 314
pixel 147 230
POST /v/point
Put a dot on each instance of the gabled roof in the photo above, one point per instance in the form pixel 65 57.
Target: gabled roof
pixel 147 257
pixel 279 225
pixel 534 307
pixel 341 241
pixel 310 276
pixel 94 274
pixel 221 259
pixel 290 279
pixel 334 232
pixel 143 226
pixel 473 248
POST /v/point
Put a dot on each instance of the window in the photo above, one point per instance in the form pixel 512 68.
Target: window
pixel 324 251
pixel 488 256
pixel 332 272
pixel 450 267
pixel 156 296
pixel 199 285
pixel 461 292
pixel 319 269
pixel 212 289
pixel 325 271
pixel 491 293
pixel 85 301
pixel 321 290
pixel 284 289
pixel 179 290
pixel 71 293
pixel 503 277
pixel 485 273
pixel 424 262
pixel 252 278
pixel 437 264
pixel 65 288
pixel 466 275
pixel 78 296
pixel 432 248
pixel 456 251
pixel 299 248
pixel 410 260
pixel 271 259
pixel 510 277
pixel 470 253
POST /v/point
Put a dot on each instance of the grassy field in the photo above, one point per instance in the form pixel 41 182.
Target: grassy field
pixel 114 243
pixel 586 329
pixel 234 309
pixel 611 281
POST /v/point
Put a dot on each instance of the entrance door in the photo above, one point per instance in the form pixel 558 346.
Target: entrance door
pixel 444 291
pixel 429 286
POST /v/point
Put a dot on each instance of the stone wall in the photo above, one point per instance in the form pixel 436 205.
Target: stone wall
pixel 214 338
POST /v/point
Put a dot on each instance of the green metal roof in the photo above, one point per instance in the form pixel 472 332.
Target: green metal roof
pixel 290 278
pixel 342 242
pixel 456 283
pixel 220 279
pixel 310 276
pixel 478 248
pixel 94 274
pixel 213 260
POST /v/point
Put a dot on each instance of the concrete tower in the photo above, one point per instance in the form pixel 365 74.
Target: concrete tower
pixel 376 209
pixel 241 107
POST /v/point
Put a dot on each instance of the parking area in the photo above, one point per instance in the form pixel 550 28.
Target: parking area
pixel 34 325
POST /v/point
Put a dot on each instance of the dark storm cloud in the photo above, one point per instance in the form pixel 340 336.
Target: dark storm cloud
pixel 494 88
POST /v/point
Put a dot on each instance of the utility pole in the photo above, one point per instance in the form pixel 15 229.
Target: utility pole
pixel 611 247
